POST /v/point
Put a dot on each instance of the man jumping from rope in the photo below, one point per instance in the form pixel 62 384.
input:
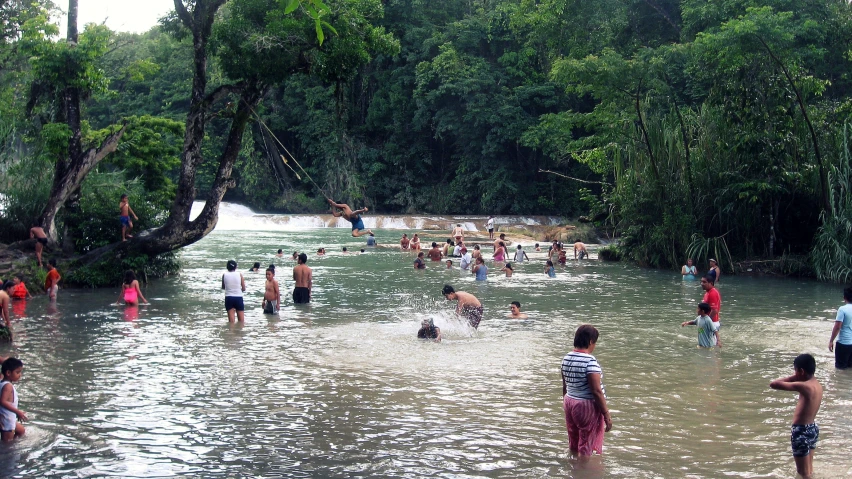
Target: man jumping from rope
pixel 353 217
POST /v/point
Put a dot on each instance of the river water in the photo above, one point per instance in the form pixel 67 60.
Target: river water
pixel 342 388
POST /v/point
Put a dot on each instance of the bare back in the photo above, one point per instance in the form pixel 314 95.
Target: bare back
pixel 303 276
pixel 37 232
pixel 810 398
pixel 467 299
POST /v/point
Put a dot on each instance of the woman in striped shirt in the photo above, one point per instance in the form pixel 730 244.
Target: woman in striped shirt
pixel 584 399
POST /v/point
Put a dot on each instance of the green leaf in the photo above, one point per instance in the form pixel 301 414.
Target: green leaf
pixel 320 34
pixel 292 5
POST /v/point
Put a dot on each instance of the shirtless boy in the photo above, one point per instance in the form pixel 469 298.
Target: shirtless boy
pixel 4 308
pixel 403 243
pixel 304 278
pixel 353 217
pixel 37 232
pixel 515 311
pixel 469 307
pixel 271 297
pixel 580 250
pixel 804 433
pixel 126 224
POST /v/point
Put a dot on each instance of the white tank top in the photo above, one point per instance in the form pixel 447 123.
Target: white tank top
pixel 232 283
pixel 10 417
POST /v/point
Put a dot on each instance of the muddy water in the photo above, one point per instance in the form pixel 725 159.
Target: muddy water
pixel 342 388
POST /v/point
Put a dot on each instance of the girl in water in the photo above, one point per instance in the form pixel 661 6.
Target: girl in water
pixel 508 269
pixel 549 269
pixel 130 290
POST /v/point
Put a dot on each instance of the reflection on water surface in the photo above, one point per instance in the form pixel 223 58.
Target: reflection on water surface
pixel 342 388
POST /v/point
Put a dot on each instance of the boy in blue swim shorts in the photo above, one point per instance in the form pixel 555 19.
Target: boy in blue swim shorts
pixel 804 433
pixel 353 217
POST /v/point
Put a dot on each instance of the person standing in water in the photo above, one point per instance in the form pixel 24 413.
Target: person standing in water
pixel 353 217
pixel 490 226
pixel 271 296
pixel 125 211
pixel 584 397
pixel 435 253
pixel 458 233
pixel 304 278
pixel 468 306
pixel 707 335
pixel 714 299
pixel 714 271
pixel 480 270
pixel 804 432
pixel 234 285
pixel 37 233
pixel 688 271
pixel 521 255
pixel 51 282
pixel 130 291
pixel 580 250
pixel 549 269
pixel 10 415
pixel 842 328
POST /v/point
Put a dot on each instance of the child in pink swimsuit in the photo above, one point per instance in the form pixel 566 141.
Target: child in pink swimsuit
pixel 130 290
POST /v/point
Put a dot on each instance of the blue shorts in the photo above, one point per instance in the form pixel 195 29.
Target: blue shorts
pixel 125 220
pixel 358 225
pixel 234 302
pixel 803 439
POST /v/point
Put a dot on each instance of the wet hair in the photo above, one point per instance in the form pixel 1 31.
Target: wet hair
pixel 480 260
pixel 8 284
pixel 704 307
pixel 303 258
pixel 536 245
pixel 509 266
pixel 430 323
pixel 449 241
pixel 585 336
pixel 502 244
pixel 270 271
pixel 516 303
pixel 549 263
pixel 232 265
pixel 450 261
pixel 11 364
pixel 256 265
pixel 805 362
pixel 420 254
pixel 434 244
pixel 476 246
pixel 272 267
pixel 319 250
pixel 129 276
pixel 519 246
pixel 710 280
pixel 344 249
pixel 847 294
pixel 362 250
pixel 447 290
pixel 280 251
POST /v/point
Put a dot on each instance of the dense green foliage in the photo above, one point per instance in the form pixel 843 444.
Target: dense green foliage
pixel 701 127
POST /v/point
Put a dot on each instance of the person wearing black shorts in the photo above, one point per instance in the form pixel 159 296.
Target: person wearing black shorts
pixel 843 333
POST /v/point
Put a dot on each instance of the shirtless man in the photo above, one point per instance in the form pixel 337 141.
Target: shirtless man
pixel 515 311
pixel 304 278
pixel 435 253
pixel 4 307
pixel 126 225
pixel 458 233
pixel 415 243
pixel 580 249
pixel 805 432
pixel 501 239
pixel 468 307
pixel 404 242
pixel 353 217
pixel 37 232
pixel 271 297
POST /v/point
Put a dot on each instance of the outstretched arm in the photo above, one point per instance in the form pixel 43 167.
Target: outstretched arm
pixel 362 210
pixel 336 214
pixel 790 383
pixel 336 205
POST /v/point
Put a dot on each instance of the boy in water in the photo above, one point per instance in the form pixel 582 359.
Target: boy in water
pixel 707 334
pixel 126 225
pixel 51 282
pixel 271 297
pixel 449 264
pixel 304 279
pixel 10 428
pixel 804 433
pixel 37 233
pixel 515 311
pixel 353 217
pixel 469 307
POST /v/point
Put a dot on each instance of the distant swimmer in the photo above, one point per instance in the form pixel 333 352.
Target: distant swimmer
pixel 688 271
pixel 549 269
pixel 458 233
pixel 271 296
pixel 280 253
pixel 353 217
pixel 435 253
pixel 515 311
pixel 37 233
pixel 428 330
pixel 419 263
pixel 449 264
pixel 255 268
pixel 371 241
pixel 508 270
pixel 480 270
pixel 304 278
pixel 294 256
pixel 468 306
pixel 580 250
pixel 404 242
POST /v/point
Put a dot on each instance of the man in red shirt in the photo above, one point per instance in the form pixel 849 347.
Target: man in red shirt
pixel 712 297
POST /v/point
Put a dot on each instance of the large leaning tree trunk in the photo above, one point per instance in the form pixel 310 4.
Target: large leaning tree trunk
pixel 72 170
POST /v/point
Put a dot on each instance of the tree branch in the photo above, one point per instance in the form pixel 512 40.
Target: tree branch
pixel 572 178
pixel 220 92
pixel 183 15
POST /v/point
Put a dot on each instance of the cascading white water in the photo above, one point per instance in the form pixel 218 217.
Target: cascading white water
pixel 235 217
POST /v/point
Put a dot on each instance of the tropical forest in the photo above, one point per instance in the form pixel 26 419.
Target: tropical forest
pixel 702 128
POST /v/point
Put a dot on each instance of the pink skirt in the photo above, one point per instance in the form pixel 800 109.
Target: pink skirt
pixel 585 426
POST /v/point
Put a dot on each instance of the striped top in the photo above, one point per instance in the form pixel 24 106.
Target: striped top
pixel 575 367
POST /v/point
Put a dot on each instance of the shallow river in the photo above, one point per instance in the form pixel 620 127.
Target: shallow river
pixel 342 388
